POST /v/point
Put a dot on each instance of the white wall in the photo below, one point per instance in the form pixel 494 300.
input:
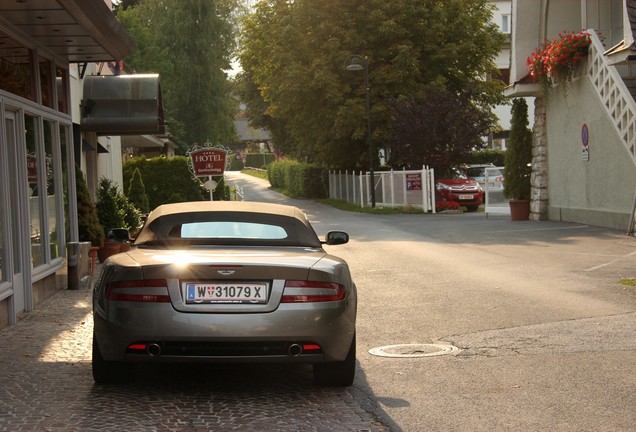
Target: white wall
pixel 504 8
pixel 599 191
pixel 109 164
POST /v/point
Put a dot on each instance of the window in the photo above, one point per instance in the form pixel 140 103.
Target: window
pixel 46 82
pixel 209 228
pixel 61 87
pixel 505 23
pixel 33 176
pixel 505 76
pixel 52 210
pixel 3 261
pixel 16 72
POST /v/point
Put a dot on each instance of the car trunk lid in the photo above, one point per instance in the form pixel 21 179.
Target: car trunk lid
pixel 219 280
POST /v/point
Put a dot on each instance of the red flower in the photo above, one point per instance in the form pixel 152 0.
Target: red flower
pixel 557 59
pixel 446 205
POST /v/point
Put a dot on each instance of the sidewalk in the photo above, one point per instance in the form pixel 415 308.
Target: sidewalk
pixel 47 385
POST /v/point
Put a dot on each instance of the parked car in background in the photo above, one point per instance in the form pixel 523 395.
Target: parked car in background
pixel 453 185
pixel 226 281
pixel 494 183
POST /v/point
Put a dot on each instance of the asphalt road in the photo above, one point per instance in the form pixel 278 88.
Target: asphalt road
pixel 545 332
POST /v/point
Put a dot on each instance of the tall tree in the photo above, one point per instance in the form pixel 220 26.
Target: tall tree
pixel 294 54
pixel 190 43
pixel 437 129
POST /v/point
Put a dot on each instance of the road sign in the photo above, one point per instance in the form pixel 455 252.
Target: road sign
pixel 585 142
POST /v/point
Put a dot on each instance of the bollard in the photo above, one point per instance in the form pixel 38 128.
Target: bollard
pixel 72 262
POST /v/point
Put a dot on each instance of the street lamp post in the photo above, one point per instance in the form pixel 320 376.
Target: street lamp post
pixel 356 63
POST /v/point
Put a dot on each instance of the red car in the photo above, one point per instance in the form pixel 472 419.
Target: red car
pixel 453 185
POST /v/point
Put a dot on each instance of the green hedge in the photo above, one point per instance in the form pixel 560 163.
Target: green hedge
pixel 299 179
pixel 252 160
pixel 495 157
pixel 169 180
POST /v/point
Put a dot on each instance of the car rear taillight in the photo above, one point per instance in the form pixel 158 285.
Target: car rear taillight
pixel 147 291
pixel 312 291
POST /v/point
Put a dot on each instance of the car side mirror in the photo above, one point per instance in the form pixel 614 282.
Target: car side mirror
pixel 336 238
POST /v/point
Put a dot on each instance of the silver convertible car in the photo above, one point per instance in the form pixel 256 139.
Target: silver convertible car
pixel 226 282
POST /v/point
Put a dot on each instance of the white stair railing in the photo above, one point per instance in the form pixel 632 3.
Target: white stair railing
pixel 614 94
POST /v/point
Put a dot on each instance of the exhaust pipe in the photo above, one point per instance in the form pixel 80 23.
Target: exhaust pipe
pixel 295 350
pixel 153 350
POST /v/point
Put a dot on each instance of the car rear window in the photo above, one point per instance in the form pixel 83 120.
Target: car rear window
pixel 476 172
pixel 222 229
pixel 227 228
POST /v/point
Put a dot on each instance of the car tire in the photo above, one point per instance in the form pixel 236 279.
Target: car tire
pixel 107 372
pixel 340 374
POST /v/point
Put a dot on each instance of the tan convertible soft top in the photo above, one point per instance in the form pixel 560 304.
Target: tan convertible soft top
pixel 225 206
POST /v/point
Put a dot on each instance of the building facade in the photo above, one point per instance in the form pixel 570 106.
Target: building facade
pixel 584 156
pixel 46 47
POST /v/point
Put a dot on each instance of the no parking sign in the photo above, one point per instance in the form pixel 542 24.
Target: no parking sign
pixel 585 141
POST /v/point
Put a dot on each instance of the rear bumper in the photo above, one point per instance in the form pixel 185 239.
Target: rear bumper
pixel 201 337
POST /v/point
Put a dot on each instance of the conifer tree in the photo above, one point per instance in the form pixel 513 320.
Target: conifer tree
pixel 518 154
pixel 88 224
pixel 137 192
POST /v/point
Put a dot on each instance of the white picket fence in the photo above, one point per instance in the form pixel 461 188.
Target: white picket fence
pixel 392 188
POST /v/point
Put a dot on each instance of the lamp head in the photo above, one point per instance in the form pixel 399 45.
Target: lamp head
pixel 355 63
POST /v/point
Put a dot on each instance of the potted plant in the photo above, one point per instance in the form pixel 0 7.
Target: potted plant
pixel 116 213
pixel 110 214
pixel 518 162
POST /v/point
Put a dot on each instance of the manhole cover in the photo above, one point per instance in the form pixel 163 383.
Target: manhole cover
pixel 413 350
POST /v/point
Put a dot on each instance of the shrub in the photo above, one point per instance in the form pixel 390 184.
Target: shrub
pixel 167 180
pixel 132 215
pixel 109 210
pixel 114 209
pixel 299 179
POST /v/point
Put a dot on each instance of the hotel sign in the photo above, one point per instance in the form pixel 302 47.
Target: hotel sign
pixel 208 162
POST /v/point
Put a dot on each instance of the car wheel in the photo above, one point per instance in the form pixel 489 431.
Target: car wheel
pixel 107 372
pixel 472 208
pixel 339 374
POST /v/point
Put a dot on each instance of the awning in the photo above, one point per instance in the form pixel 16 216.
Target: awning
pixel 122 105
pixel 76 30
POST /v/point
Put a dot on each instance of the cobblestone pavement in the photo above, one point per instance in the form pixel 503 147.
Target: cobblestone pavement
pixel 46 385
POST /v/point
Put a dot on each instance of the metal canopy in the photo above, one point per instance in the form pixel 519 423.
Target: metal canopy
pixel 122 105
pixel 76 30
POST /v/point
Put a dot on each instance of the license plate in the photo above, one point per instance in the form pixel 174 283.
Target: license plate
pixel 249 292
pixel 465 197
